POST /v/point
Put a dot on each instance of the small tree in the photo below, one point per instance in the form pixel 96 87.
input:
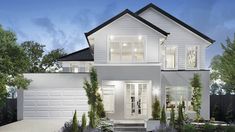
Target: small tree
pixel 163 116
pixel 75 122
pixel 180 119
pixel 94 98
pixel 172 117
pixel 83 121
pixel 196 97
pixel 156 109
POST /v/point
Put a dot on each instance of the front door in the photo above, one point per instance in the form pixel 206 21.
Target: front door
pixel 136 100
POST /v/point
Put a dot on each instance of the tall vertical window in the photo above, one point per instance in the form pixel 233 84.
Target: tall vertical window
pixel 191 57
pixel 126 49
pixel 176 95
pixel 170 57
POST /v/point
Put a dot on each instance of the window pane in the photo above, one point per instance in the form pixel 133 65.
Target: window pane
pixel 126 52
pixel 170 61
pixel 138 49
pixel 175 95
pixel 115 51
pixel 192 57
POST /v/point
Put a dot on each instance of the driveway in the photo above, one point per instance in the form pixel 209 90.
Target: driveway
pixel 36 125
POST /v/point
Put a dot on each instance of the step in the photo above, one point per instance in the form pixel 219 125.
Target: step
pixel 129 127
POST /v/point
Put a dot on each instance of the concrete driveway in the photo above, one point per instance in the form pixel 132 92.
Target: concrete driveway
pixel 36 125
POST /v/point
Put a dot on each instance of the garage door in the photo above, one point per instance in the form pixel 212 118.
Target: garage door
pixel 54 103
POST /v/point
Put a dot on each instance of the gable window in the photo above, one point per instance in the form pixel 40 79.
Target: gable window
pixel 192 57
pixel 170 57
pixel 127 49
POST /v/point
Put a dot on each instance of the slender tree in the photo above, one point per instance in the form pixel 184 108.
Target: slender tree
pixel 196 97
pixel 156 109
pixel 163 116
pixel 83 121
pixel 94 98
pixel 172 117
pixel 75 122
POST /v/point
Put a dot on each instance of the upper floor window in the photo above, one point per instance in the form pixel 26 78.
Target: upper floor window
pixel 170 57
pixel 192 57
pixel 127 49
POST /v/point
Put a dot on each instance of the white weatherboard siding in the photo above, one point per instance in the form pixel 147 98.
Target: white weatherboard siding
pixel 54 96
pixel 179 36
pixel 125 26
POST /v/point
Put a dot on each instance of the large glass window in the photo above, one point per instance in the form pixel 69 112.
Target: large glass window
pixel 170 57
pixel 176 95
pixel 126 49
pixel 191 57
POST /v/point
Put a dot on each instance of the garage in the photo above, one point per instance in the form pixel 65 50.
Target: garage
pixel 53 96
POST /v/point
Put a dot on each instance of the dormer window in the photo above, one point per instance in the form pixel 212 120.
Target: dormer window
pixel 126 49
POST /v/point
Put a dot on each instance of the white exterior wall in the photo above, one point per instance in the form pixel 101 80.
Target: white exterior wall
pixel 183 79
pixel 125 26
pixel 53 95
pixel 179 36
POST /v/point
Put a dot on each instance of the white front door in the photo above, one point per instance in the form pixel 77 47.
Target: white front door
pixel 136 100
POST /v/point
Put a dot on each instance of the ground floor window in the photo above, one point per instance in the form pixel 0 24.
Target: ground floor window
pixel 178 94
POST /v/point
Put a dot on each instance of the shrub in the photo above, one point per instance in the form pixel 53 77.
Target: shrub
pixel 67 127
pixel 92 119
pixel 156 109
pixel 229 114
pixel 75 122
pixel 189 128
pixel 172 117
pixel 209 128
pixel 230 129
pixel 163 116
pixel 83 121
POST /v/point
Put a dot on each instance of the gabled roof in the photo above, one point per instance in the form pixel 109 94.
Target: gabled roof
pixel 81 55
pixel 120 15
pixel 176 20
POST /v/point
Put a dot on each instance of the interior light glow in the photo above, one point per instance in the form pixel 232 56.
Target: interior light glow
pixel 111 37
pixel 140 37
pixel 135 49
pixel 156 92
pixel 111 50
pixel 124 44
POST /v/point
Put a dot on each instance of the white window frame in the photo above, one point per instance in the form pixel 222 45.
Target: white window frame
pixel 198 57
pixel 186 109
pixel 176 57
pixel 132 62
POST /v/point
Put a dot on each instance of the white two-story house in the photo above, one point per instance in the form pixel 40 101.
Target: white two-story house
pixel 138 56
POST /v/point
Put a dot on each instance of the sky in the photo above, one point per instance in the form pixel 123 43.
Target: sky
pixel 62 23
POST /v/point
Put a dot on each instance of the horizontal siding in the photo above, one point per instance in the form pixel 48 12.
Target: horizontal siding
pixel 125 25
pixel 50 100
pixel 178 36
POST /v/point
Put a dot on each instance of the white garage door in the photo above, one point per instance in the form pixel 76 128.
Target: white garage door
pixel 54 103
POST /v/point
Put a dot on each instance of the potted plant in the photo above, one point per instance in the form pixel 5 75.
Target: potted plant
pixel 154 123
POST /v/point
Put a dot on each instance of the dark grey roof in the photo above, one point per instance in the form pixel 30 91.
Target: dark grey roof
pixel 176 20
pixel 81 55
pixel 120 15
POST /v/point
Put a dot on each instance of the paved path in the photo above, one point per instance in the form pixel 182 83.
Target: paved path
pixel 37 125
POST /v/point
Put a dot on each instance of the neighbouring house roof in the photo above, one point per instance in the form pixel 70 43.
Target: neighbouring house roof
pixel 120 15
pixel 81 55
pixel 176 20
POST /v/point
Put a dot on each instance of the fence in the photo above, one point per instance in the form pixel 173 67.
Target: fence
pixel 221 106
pixel 8 112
